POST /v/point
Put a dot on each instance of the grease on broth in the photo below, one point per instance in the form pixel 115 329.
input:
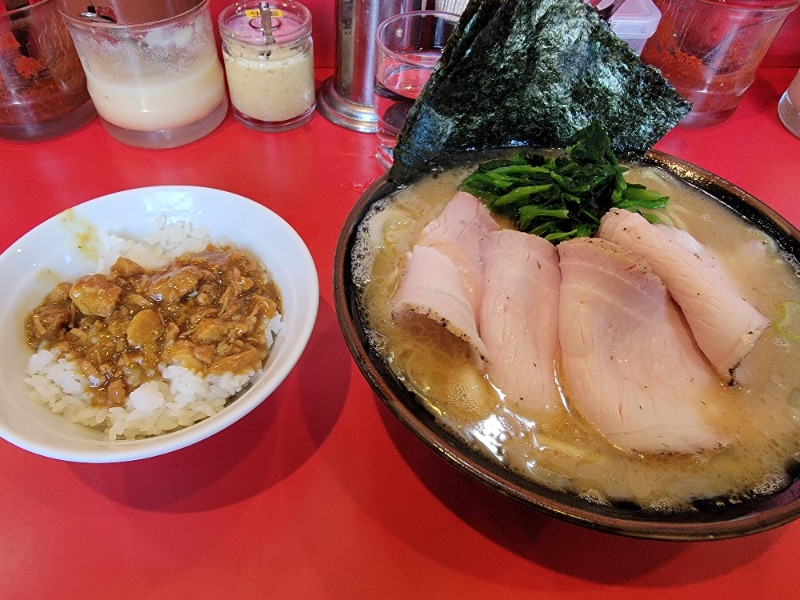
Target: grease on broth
pixel 558 448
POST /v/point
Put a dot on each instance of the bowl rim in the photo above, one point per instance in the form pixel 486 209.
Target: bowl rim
pixel 128 450
pixel 746 518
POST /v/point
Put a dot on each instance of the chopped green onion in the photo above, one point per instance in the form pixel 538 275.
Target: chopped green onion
pixel 788 326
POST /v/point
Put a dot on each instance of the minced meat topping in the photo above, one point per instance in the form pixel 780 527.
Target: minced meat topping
pixel 206 311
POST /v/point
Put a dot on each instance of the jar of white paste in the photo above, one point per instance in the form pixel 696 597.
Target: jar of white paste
pixel 269 63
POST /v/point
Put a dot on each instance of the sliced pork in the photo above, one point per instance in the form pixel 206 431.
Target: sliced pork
pixel 725 325
pixel 457 233
pixel 629 362
pixel 444 271
pixel 519 317
pixel 432 287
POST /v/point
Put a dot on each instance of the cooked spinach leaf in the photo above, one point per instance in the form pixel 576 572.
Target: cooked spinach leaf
pixel 559 197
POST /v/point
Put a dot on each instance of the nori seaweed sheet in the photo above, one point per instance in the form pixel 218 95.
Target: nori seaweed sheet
pixel 533 73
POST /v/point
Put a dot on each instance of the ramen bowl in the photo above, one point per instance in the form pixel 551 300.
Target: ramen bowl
pixel 708 520
pixel 68 246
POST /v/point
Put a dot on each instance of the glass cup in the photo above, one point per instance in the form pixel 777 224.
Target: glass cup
pixel 42 84
pixel 152 69
pixel 269 64
pixel 408 46
pixel 710 50
pixel 789 106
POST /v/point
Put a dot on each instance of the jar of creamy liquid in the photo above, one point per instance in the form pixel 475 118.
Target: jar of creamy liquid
pixel 152 69
pixel 269 63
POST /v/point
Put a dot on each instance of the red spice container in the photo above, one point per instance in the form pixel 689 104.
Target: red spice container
pixel 42 83
pixel 710 50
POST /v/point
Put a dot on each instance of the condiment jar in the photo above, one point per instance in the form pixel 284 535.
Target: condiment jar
pixel 42 83
pixel 152 69
pixel 269 63
pixel 789 106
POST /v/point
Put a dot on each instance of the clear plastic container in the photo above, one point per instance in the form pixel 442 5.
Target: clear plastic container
pixel 789 106
pixel 635 22
pixel 42 84
pixel 710 50
pixel 152 69
pixel 269 64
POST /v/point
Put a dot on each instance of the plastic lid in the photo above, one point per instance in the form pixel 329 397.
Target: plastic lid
pixel 242 21
pixel 635 18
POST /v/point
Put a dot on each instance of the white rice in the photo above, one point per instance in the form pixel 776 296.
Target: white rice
pixel 180 398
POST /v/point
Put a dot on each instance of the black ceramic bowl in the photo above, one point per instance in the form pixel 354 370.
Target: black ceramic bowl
pixel 706 524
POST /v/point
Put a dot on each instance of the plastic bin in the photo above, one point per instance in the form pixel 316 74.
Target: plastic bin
pixel 635 21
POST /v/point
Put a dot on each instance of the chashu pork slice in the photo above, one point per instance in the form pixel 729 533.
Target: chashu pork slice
pixel 629 362
pixel 519 317
pixel 725 325
pixel 457 233
pixel 432 287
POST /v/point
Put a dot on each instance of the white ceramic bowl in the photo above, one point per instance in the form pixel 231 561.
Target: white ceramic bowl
pixel 65 247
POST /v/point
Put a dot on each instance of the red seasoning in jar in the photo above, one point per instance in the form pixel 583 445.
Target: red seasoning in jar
pixel 710 50
pixel 42 83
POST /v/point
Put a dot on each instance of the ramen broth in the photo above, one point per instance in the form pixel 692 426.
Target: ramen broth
pixel 558 448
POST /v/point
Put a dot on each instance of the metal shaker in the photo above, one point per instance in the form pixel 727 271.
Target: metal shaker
pixel 346 97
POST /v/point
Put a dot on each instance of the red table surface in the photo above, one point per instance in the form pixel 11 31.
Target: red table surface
pixel 320 492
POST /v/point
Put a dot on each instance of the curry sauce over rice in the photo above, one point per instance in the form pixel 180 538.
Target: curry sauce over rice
pixel 206 311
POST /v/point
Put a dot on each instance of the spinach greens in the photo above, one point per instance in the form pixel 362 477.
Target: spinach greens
pixel 559 197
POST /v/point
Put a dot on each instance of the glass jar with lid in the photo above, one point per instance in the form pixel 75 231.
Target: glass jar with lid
pixel 42 83
pixel 269 63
